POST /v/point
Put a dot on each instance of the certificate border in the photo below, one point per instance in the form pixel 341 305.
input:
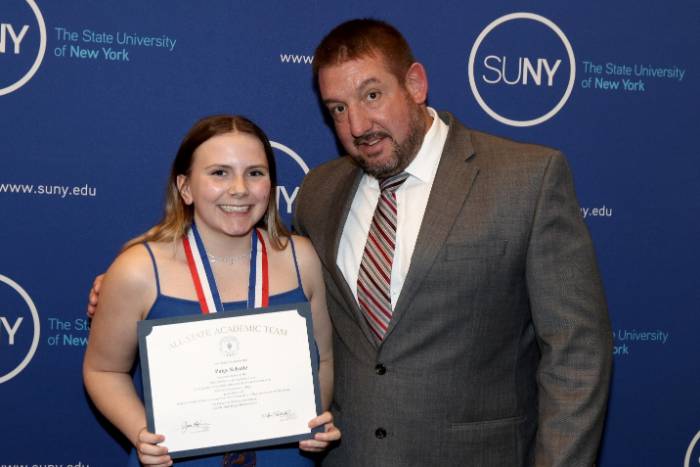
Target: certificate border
pixel 145 327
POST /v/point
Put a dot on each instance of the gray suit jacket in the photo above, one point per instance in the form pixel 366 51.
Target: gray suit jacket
pixel 499 350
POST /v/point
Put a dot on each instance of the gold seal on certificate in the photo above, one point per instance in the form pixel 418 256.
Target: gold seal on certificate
pixel 229 381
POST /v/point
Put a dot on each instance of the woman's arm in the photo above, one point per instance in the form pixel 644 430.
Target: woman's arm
pixel 315 291
pixel 314 288
pixel 126 294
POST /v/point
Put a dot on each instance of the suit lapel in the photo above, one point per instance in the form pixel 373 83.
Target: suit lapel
pixel 453 180
pixel 341 195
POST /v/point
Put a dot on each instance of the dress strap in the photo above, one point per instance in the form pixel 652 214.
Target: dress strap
pixel 155 267
pixel 296 264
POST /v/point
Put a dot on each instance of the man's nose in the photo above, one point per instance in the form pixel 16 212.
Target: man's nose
pixel 359 121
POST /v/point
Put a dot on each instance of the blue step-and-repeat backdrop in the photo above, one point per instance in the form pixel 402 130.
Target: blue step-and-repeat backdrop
pixel 95 97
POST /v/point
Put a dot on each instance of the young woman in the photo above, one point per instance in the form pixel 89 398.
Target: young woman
pixel 221 193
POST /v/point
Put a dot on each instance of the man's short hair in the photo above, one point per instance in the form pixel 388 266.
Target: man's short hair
pixel 360 38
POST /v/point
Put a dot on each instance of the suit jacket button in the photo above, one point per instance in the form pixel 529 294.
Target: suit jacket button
pixel 380 369
pixel 380 433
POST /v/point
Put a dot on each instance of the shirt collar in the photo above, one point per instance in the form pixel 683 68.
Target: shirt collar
pixel 424 165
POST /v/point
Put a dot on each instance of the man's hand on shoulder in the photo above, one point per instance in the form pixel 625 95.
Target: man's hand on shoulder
pixel 94 295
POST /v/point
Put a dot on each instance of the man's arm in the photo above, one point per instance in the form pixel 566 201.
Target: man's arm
pixel 571 320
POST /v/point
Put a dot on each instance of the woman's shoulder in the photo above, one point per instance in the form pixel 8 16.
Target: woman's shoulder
pixel 162 250
pixel 302 243
pixel 133 267
pixel 304 248
pixel 307 259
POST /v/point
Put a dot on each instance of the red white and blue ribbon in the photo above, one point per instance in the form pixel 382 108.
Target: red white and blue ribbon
pixel 258 283
pixel 203 275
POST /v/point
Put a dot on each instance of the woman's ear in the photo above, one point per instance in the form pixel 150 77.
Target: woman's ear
pixel 183 186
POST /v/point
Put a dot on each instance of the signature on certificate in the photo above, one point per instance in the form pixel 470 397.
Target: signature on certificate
pixel 281 415
pixel 196 426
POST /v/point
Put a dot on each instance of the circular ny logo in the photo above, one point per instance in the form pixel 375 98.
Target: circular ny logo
pixel 19 329
pixel 22 44
pixel 522 69
pixel 692 455
pixel 229 346
pixel 289 177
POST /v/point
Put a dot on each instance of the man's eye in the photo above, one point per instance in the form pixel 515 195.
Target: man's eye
pixel 338 109
pixel 373 96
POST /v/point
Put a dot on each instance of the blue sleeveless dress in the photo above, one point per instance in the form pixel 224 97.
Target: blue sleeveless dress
pixel 287 455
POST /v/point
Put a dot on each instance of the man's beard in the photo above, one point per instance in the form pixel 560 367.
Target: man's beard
pixel 402 153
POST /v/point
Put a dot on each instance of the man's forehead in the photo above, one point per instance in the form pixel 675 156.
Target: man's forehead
pixel 354 74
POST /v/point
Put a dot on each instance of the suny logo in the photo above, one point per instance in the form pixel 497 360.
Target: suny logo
pixel 522 69
pixel 291 169
pixel 22 43
pixel 692 455
pixel 19 329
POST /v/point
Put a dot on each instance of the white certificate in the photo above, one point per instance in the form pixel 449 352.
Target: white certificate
pixel 230 381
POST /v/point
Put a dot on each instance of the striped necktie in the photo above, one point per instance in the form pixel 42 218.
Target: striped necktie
pixel 374 278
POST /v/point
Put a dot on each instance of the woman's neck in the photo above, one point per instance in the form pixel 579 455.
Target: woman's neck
pixel 220 245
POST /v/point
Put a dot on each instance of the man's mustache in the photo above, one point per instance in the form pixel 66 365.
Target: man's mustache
pixel 367 137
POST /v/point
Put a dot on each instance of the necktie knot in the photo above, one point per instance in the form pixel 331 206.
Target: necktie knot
pixel 393 183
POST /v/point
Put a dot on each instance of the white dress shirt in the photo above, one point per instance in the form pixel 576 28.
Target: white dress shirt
pixel 412 197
